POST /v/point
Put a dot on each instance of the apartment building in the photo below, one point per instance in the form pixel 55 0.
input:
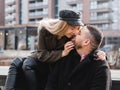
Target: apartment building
pixel 39 9
pixel 102 13
pixel 28 11
pixel 20 13
pixel 105 15
pixel 12 12
pixel 2 12
pixel 95 12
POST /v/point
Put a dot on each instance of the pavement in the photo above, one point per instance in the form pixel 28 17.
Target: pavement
pixel 15 53
pixel 7 56
pixel 115 74
pixel 4 70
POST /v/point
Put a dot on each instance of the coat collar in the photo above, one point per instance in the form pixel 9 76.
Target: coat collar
pixel 86 61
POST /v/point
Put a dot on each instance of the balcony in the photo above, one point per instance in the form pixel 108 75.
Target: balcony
pixel 99 21
pixel 38 13
pixel 101 0
pixel 71 2
pixel 10 17
pixel 10 2
pixel 38 5
pixel 38 16
pixel 11 9
pixel 102 10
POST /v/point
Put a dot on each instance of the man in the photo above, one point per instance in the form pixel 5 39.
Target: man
pixel 79 70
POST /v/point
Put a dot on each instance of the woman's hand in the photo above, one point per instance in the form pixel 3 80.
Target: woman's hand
pixel 101 55
pixel 67 48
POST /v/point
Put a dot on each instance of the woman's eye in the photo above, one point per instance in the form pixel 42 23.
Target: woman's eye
pixel 79 32
pixel 72 28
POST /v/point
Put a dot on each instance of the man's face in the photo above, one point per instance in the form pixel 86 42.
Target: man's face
pixel 81 38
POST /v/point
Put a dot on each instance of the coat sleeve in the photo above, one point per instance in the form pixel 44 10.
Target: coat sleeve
pixel 43 54
pixel 102 79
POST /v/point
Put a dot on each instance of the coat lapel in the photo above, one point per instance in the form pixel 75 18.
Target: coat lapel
pixel 79 66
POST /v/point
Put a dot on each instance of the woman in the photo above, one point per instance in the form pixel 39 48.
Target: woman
pixel 53 44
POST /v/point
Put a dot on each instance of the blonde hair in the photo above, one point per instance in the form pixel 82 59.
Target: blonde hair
pixel 54 26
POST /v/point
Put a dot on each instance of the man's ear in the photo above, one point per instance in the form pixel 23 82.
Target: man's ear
pixel 87 42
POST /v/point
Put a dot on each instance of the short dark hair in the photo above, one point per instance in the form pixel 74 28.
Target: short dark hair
pixel 97 36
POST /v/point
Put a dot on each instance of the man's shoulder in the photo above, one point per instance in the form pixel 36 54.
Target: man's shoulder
pixel 100 63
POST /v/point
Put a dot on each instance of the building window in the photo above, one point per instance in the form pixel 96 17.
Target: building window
pixel 32 39
pixel 56 2
pixel 32 11
pixel 93 16
pixel 93 5
pixel 10 39
pixel 40 10
pixel 39 0
pixel 21 37
pixel 1 40
pixel 45 11
pixel 32 2
pixel 32 19
pixel 102 4
pixel 79 6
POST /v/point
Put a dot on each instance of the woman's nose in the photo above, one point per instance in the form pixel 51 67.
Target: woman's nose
pixel 76 32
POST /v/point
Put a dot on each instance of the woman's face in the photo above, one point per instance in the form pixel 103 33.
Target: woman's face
pixel 72 31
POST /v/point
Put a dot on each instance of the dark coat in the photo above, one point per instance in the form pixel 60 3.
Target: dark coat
pixel 49 51
pixel 49 47
pixel 71 74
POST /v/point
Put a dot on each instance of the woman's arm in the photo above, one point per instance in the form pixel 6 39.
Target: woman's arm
pixel 42 53
pixel 101 55
pixel 47 51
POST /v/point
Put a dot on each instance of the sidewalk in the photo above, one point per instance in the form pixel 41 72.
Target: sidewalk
pixel 115 74
pixel 15 53
pixel 7 56
pixel 4 70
